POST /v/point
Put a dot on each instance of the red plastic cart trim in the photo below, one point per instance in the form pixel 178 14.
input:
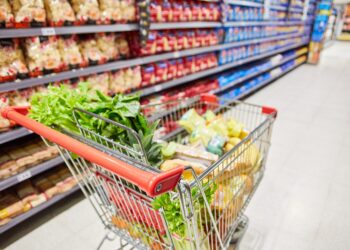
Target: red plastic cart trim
pixel 152 183
pixel 269 111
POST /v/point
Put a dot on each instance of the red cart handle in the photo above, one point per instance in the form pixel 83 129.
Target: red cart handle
pixel 152 183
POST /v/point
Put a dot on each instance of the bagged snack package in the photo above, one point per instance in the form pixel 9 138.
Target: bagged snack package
pixel 99 82
pixel 132 77
pixel 116 81
pixel 70 53
pixel 59 13
pixel 148 75
pixel 4 123
pixel 128 10
pixel 12 63
pixel 122 45
pixel 42 55
pixel 6 16
pixel 111 11
pixel 106 44
pixel 86 11
pixel 28 13
pixel 90 50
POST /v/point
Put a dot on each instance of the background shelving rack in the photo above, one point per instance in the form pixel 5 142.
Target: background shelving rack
pixel 16 133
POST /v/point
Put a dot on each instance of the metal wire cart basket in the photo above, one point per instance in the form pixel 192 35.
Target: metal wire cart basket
pixel 153 209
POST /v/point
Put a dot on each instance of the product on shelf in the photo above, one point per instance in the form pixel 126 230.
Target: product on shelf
pixel 6 16
pixel 90 50
pixel 28 13
pixel 70 53
pixel 86 11
pixel 183 11
pixel 99 82
pixel 122 45
pixel 42 55
pixel 12 64
pixel 59 13
pixel 106 43
pixel 113 11
pixel 243 13
pixel 15 158
pixel 34 192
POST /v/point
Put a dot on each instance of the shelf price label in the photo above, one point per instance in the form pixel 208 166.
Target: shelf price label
pixel 48 31
pixel 24 176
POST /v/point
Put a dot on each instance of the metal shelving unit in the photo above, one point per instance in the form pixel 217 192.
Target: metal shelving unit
pixel 208 72
pixel 22 217
pixel 245 78
pixel 277 7
pixel 264 83
pixel 13 134
pixel 245 3
pixel 40 168
pixel 31 82
pixel 263 23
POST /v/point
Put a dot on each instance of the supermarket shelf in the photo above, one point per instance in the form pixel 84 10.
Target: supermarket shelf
pixel 276 7
pixel 49 31
pixel 264 83
pixel 31 82
pixel 244 3
pixel 208 72
pixel 13 134
pixel 240 80
pixel 20 218
pixel 297 10
pixel 42 167
pixel 262 23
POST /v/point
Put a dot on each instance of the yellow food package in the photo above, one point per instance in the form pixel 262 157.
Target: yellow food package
pixel 191 120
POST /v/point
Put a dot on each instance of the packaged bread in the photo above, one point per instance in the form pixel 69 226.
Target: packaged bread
pixel 26 192
pixel 42 54
pixel 59 12
pixel 187 174
pixel 132 77
pixel 86 11
pixel 90 50
pixel 122 45
pixel 70 52
pixel 116 81
pixel 6 16
pixel 107 46
pixel 12 63
pixel 29 12
pixel 128 10
pixel 66 184
pixel 10 205
pixel 4 123
pixel 111 11
pixel 99 82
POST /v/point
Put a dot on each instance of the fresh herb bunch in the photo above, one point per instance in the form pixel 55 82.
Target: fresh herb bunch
pixel 54 108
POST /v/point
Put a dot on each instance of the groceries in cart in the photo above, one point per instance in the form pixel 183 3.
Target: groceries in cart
pixel 133 179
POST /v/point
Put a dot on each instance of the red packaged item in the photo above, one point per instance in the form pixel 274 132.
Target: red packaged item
pixel 70 53
pixel 167 12
pixel 172 69
pixel 196 12
pixel 161 69
pixel 156 13
pixel 180 64
pixel 187 12
pixel 182 40
pixel 59 13
pixel 177 11
pixel 190 65
pixel 42 55
pixel 12 63
pixel 90 50
pixel 212 60
pixel 6 16
pixel 106 44
pixel 28 13
pixel 172 41
pixel 86 11
pixel 148 75
pixel 162 42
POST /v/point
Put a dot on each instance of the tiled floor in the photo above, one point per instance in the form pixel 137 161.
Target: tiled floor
pixel 303 201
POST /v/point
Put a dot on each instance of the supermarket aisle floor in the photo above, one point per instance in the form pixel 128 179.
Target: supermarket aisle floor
pixel 302 202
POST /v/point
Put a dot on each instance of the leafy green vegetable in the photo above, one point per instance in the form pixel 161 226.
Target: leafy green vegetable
pixel 172 208
pixel 54 108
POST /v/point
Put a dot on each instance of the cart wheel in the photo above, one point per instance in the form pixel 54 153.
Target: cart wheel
pixel 239 233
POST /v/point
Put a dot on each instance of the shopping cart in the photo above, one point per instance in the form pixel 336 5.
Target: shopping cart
pixel 127 192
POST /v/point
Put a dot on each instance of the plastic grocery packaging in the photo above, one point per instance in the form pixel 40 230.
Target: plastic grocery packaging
pixel 106 44
pixel 28 13
pixel 70 53
pixel 86 11
pixel 6 16
pixel 99 82
pixel 42 55
pixel 12 63
pixel 90 50
pixel 59 13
